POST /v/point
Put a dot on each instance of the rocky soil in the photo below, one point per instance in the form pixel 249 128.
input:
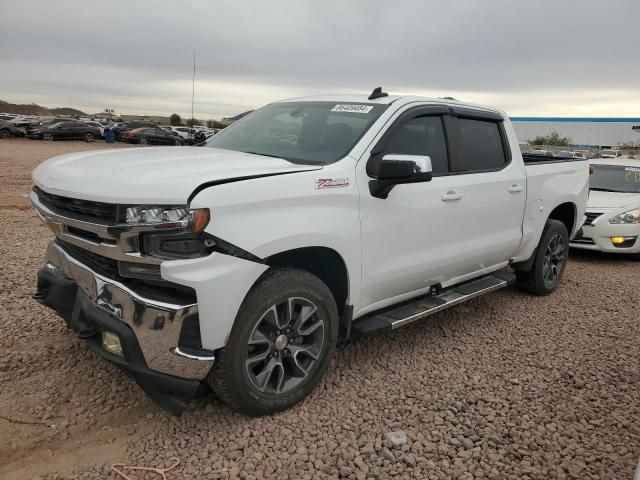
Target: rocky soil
pixel 507 386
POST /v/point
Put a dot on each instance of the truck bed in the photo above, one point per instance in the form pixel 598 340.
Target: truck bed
pixel 528 159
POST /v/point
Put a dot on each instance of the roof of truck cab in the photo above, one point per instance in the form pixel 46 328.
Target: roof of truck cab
pixel 388 100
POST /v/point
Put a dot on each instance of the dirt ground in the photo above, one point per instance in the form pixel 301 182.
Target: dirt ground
pixel 507 386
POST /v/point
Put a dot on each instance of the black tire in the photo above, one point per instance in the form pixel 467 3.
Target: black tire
pixel 178 143
pixel 48 137
pixel 549 262
pixel 4 133
pixel 234 378
pixel 89 137
pixel 142 141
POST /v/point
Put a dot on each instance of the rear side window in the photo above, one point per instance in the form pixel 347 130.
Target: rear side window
pixel 481 145
pixel 422 136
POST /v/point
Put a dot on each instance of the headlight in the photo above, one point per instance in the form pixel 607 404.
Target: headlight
pixel 170 217
pixel 632 216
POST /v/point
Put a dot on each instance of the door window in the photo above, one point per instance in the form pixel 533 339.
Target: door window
pixel 481 147
pixel 422 136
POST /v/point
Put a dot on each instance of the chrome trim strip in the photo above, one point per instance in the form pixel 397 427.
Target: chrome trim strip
pixel 177 351
pixel 156 323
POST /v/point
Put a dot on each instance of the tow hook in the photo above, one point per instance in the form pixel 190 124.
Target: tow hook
pixel 87 333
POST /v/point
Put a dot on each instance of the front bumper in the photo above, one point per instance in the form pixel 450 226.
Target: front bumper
pixel 598 237
pixel 148 329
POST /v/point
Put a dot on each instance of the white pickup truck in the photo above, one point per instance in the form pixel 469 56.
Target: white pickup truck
pixel 241 263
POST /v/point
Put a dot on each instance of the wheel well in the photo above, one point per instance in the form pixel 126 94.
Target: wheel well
pixel 324 263
pixel 566 213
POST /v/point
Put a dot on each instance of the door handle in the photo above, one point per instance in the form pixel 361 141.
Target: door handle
pixel 515 188
pixel 450 196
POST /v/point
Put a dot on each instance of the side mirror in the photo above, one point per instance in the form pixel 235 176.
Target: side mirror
pixel 395 169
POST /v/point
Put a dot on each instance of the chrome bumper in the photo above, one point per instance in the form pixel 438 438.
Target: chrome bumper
pixel 156 324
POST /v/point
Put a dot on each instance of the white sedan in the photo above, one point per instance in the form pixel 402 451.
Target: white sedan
pixel 613 209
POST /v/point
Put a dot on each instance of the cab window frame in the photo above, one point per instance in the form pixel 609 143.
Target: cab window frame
pixel 379 150
pixel 484 116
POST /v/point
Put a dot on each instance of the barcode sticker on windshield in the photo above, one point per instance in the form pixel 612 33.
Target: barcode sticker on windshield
pixel 352 108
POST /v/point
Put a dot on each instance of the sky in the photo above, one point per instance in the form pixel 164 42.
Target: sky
pixel 530 58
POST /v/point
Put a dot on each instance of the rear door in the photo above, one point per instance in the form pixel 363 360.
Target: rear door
pixel 492 187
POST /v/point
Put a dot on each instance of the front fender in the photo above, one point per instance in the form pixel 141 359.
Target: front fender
pixel 270 215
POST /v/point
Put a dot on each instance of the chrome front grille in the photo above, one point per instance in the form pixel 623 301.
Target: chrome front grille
pixel 113 240
pixel 76 208
pixel 591 216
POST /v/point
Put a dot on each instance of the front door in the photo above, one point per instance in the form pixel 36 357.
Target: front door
pixel 434 233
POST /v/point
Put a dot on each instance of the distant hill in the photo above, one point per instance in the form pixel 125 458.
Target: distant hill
pixel 67 111
pixel 33 109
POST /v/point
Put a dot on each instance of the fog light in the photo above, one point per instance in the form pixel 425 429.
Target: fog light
pixel 111 343
pixel 617 240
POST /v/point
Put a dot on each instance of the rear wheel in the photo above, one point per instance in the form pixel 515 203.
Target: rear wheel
pixel 178 143
pixel 89 137
pixel 4 133
pixel 143 141
pixel 549 262
pixel 280 345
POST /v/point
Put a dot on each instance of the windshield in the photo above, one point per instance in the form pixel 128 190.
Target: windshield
pixel 303 132
pixel 615 178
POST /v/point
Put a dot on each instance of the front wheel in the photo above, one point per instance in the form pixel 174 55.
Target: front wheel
pixel 549 262
pixel 47 137
pixel 143 141
pixel 89 137
pixel 4 133
pixel 280 346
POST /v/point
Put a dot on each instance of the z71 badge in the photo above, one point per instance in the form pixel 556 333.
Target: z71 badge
pixel 332 182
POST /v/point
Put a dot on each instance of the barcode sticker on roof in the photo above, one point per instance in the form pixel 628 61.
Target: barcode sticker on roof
pixel 352 108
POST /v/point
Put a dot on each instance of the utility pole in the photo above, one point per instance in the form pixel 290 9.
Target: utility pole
pixel 193 94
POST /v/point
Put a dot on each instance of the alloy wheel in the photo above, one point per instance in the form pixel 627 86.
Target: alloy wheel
pixel 48 137
pixel 284 345
pixel 554 258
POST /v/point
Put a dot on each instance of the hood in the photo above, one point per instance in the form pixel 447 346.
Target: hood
pixel 611 200
pixel 160 175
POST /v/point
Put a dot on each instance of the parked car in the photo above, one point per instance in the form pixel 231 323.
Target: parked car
pixel 186 133
pixel 97 125
pixel 568 154
pixel 65 130
pixel 613 209
pixel 541 153
pixel 8 130
pixel 241 264
pixel 151 135
pixel 610 153
pixel 128 126
pixel 39 123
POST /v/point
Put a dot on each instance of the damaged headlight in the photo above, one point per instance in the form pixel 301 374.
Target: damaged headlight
pixel 194 220
pixel 632 216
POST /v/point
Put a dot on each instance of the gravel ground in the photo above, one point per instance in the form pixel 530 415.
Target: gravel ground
pixel 507 386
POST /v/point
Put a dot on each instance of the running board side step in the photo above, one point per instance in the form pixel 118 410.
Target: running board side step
pixel 408 312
